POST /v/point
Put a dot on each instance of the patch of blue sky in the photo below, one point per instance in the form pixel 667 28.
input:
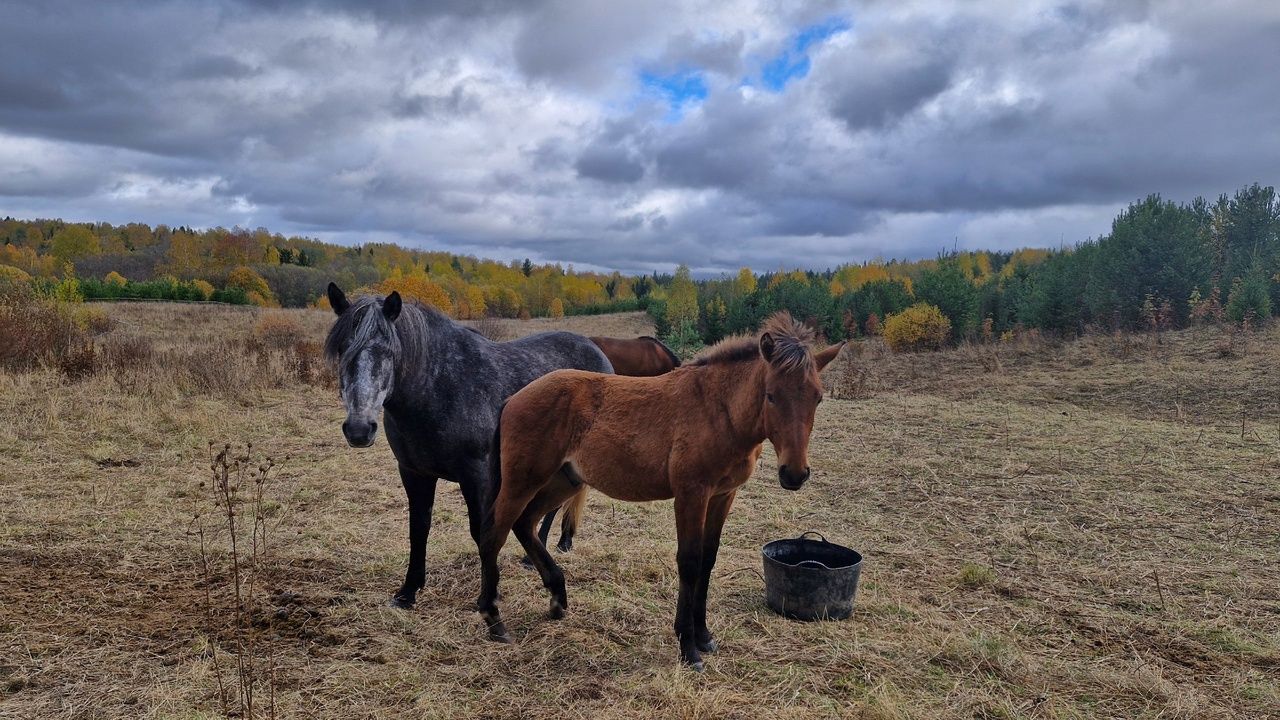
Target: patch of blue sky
pixel 793 62
pixel 680 90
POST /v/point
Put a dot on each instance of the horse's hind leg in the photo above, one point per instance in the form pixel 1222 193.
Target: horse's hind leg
pixel 551 496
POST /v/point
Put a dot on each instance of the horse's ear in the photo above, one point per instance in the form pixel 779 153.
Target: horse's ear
pixel 391 306
pixel 825 356
pixel 337 300
pixel 766 346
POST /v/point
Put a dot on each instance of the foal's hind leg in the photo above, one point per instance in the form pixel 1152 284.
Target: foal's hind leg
pixel 553 495
pixel 550 517
pixel 543 532
pixel 509 508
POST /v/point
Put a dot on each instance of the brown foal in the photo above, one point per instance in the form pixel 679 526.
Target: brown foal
pixel 639 357
pixel 693 434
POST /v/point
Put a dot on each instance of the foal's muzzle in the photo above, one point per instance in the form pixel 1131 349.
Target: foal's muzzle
pixel 790 479
pixel 360 434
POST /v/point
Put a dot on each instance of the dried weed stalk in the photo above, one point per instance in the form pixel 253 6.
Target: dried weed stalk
pixel 234 558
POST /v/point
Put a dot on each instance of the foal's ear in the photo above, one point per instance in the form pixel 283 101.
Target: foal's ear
pixel 337 300
pixel 391 306
pixel 825 356
pixel 766 346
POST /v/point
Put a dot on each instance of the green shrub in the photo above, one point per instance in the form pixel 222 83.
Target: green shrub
pixel 1249 297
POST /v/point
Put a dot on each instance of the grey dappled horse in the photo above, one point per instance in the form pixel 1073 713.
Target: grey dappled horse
pixel 440 387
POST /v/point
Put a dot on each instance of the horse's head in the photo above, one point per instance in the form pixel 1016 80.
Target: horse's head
pixel 792 391
pixel 364 346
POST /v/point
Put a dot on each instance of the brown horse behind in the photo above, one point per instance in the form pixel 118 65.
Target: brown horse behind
pixel 693 434
pixel 644 356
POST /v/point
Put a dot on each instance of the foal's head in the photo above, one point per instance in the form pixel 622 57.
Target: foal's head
pixel 792 391
pixel 364 346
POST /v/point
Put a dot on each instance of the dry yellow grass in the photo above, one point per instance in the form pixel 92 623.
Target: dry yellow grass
pixel 1063 532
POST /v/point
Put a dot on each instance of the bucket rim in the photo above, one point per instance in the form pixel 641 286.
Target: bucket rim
pixel 801 539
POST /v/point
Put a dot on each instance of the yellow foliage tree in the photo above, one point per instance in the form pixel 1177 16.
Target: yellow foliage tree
pixel 468 302
pixel 114 278
pixel 853 277
pixel 745 283
pixel 205 288
pixel 781 277
pixel 12 275
pixel 26 259
pixel 557 308
pixel 185 256
pixel 502 301
pixel 253 284
pixel 920 327
pixel 417 286
pixel 74 241
pixel 682 301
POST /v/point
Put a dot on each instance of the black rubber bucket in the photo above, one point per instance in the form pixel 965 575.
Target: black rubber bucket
pixel 808 579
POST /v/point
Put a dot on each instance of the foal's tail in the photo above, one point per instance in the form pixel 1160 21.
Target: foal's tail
pixel 573 513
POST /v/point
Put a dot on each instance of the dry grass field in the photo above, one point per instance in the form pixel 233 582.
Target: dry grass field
pixel 1051 531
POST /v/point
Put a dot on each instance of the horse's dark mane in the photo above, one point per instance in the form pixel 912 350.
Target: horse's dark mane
pixel 675 360
pixel 792 345
pixel 364 321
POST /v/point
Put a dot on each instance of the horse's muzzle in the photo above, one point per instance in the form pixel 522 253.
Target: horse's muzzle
pixel 358 434
pixel 791 480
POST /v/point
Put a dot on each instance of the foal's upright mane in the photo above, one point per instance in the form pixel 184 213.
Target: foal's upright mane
pixel 792 345
pixel 363 322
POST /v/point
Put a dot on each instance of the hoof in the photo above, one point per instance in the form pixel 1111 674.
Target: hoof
pixel 708 646
pixel 564 546
pixel 557 609
pixel 498 633
pixel 693 660
pixel 525 561
pixel 400 602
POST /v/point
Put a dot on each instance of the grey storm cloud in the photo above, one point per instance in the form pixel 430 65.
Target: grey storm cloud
pixel 631 135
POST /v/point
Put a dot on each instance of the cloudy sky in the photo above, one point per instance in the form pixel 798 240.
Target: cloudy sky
pixel 636 135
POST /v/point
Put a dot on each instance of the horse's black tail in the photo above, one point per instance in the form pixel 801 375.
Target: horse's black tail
pixel 495 467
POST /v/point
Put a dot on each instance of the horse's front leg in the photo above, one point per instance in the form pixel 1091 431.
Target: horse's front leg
pixel 421 490
pixel 691 516
pixel 717 511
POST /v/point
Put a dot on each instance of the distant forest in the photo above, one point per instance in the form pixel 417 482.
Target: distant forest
pixel 1163 264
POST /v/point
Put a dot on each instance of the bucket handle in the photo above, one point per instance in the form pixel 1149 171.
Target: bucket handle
pixel 813 532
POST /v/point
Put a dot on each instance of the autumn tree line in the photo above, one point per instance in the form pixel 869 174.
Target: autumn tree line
pixel 100 261
pixel 1162 265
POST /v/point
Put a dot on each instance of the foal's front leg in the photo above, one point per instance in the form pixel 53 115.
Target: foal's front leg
pixel 691 515
pixel 421 491
pixel 717 511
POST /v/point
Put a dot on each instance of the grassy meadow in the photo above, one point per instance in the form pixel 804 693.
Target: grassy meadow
pixel 1075 530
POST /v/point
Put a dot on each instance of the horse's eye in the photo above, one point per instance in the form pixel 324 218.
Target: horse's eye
pixel 769 397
